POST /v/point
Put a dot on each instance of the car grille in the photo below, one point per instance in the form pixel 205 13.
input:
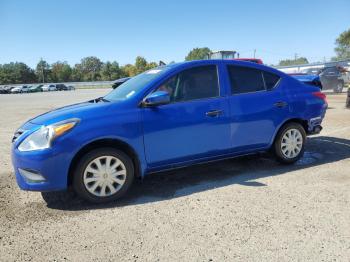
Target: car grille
pixel 17 134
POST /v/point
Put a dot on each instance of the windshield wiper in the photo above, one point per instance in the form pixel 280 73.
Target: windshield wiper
pixel 101 99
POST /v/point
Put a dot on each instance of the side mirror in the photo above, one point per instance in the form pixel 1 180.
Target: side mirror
pixel 157 98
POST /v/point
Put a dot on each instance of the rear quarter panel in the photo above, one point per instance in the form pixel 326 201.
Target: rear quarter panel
pixel 302 103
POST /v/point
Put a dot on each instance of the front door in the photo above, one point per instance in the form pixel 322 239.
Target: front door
pixel 194 125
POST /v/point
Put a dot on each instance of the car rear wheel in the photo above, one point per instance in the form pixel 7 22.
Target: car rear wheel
pixel 103 175
pixel 290 143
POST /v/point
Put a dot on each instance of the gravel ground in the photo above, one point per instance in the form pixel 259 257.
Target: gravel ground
pixel 243 209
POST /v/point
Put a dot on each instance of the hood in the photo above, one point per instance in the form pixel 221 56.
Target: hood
pixel 307 78
pixel 81 110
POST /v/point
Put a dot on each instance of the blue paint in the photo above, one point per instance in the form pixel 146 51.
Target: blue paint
pixel 174 134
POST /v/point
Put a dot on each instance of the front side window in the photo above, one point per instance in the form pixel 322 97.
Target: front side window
pixel 136 84
pixel 195 83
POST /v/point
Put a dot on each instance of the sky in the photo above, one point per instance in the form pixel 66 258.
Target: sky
pixel 68 30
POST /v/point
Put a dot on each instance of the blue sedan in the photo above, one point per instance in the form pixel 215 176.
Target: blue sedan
pixel 168 117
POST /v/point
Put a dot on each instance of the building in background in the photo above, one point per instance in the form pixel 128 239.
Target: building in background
pixel 305 68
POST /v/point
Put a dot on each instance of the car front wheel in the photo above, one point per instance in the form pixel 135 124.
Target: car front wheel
pixel 103 175
pixel 290 143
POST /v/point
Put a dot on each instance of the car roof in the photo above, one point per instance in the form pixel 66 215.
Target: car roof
pixel 229 62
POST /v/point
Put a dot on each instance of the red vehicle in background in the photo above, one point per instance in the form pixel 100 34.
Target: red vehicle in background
pixel 232 55
pixel 253 60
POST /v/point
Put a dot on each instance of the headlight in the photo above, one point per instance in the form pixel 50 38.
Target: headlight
pixel 43 137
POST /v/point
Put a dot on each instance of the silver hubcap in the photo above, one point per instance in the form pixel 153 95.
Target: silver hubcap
pixel 292 142
pixel 104 176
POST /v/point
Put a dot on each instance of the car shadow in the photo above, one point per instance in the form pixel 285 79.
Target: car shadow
pixel 186 181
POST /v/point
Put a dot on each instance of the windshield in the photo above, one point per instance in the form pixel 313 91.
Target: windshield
pixel 131 87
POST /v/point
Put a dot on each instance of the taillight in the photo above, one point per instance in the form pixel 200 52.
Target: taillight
pixel 320 95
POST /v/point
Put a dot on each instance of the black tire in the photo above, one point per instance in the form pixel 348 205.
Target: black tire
pixel 78 175
pixel 277 148
pixel 339 87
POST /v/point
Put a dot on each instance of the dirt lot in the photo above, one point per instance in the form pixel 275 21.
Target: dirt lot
pixel 245 209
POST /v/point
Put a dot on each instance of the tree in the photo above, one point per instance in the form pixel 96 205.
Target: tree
pixel 42 71
pixel 198 54
pixel 129 70
pixel 25 73
pixel 140 64
pixel 111 71
pixel 61 72
pixel 342 48
pixel 298 61
pixel 77 73
pixel 16 73
pixel 89 68
pixel 151 65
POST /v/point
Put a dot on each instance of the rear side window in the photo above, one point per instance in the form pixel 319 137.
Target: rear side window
pixel 247 80
pixel 270 80
pixel 195 83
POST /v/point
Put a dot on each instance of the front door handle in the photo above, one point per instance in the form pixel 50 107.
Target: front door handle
pixel 280 104
pixel 213 113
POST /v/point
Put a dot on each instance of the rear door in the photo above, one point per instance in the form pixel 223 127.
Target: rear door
pixel 258 107
pixel 194 125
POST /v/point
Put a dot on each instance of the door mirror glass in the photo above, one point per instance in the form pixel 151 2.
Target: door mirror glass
pixel 157 98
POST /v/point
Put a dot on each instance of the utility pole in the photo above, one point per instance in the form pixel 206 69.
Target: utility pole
pixel 254 52
pixel 42 69
pixel 295 57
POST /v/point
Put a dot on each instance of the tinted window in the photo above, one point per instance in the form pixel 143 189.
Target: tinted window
pixel 245 79
pixel 330 71
pixel 270 80
pixel 196 83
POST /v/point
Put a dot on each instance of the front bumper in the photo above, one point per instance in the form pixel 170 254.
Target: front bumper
pixel 48 164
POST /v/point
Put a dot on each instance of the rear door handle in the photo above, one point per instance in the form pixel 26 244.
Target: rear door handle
pixel 213 113
pixel 280 104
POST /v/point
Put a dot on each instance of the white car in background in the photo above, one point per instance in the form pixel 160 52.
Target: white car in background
pixel 20 89
pixel 49 88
